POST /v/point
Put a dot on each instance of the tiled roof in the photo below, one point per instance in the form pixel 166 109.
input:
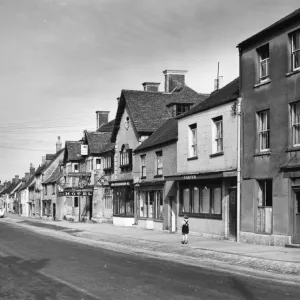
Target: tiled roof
pixel 50 156
pixel 73 150
pixel 43 167
pixel 166 133
pixel 40 169
pixel 148 110
pixel 294 16
pixel 28 183
pixel 228 93
pixel 108 127
pixel 98 141
pixel 54 176
pixel 10 188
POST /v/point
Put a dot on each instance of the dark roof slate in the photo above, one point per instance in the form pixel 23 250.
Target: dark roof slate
pixel 73 150
pixel 166 133
pixel 228 93
pixel 10 188
pixel 99 142
pixel 54 176
pixel 108 127
pixel 28 183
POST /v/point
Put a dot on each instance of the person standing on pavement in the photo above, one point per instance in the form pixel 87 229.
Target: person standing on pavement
pixel 185 228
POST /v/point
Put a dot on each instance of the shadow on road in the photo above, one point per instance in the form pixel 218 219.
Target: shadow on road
pixel 240 286
pixel 21 279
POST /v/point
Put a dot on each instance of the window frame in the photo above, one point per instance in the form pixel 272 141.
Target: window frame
pixel 125 157
pixel 262 131
pixel 98 164
pixel 293 50
pixel 261 51
pixel 216 138
pixel 159 166
pixel 157 206
pixel 143 166
pixel 192 141
pixel 76 204
pixel 294 124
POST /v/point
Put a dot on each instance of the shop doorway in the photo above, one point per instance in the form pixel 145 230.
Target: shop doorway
pixel 296 237
pixel 232 228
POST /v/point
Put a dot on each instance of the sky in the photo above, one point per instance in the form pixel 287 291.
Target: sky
pixel 61 60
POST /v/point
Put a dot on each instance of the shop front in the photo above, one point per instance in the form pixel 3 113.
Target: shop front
pixel 123 202
pixel 150 204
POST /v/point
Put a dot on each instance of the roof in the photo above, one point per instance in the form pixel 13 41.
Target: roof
pixel 54 176
pixel 108 127
pixel 28 182
pixel 40 169
pixel 268 30
pixel 73 150
pixel 166 133
pixel 43 167
pixel 99 142
pixel 10 188
pixel 228 93
pixel 148 110
pixel 50 156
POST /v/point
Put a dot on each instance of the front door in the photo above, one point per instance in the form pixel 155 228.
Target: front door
pixel 232 213
pixel 90 207
pixel 296 238
pixel 54 211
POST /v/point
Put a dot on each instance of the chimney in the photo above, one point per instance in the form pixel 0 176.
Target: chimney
pixel 16 178
pixel 151 86
pixel 43 160
pixel 31 169
pixel 174 79
pixel 102 118
pixel 58 144
pixel 218 83
pixel 27 176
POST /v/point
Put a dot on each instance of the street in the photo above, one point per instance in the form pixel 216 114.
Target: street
pixel 33 266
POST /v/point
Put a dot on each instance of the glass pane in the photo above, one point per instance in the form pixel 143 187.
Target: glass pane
pixel 196 201
pixel 150 204
pixel 296 134
pixel 186 200
pixel 296 41
pixel 217 201
pixel 205 201
pixel 296 56
pixel 141 197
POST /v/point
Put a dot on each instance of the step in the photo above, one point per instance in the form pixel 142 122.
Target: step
pixel 292 245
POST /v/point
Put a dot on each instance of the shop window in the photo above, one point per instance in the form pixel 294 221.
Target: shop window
pixel 159 163
pixel 264 208
pixel 123 202
pixel 108 198
pixel 201 201
pixel 151 204
pixel 143 166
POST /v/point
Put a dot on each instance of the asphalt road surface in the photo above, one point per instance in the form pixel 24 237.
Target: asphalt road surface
pixel 33 266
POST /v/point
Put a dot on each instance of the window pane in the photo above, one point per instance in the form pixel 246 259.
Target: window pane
pixel 296 41
pixel 296 59
pixel 205 201
pixel 150 204
pixel 142 204
pixel 196 201
pixel 217 201
pixel 186 200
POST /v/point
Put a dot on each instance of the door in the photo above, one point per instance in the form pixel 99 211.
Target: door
pixel 90 207
pixel 232 213
pixel 54 211
pixel 296 238
pixel 172 214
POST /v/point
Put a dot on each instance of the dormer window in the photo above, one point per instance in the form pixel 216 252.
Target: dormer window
pixel 125 156
pixel 264 62
pixel 182 108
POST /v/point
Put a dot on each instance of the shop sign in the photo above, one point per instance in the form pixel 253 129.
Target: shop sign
pixel 75 193
pixel 120 183
pixel 79 174
pixel 189 177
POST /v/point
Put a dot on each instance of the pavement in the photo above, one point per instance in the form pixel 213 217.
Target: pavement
pixel 278 260
pixel 39 263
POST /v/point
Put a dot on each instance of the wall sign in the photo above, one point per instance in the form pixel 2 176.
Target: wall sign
pixel 84 149
pixel 76 193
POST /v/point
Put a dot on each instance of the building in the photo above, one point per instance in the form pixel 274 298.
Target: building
pixel 270 91
pixel 154 159
pixel 139 114
pixel 206 177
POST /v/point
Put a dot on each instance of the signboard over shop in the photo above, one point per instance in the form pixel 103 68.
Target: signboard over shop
pixel 75 193
pixel 79 174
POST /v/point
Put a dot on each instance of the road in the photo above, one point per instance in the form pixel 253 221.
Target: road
pixel 33 266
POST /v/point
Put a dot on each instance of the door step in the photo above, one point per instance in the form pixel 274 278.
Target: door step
pixel 292 245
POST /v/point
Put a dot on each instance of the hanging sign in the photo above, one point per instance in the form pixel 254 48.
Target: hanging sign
pixel 84 149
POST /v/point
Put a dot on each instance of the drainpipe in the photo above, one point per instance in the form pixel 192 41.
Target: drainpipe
pixel 238 200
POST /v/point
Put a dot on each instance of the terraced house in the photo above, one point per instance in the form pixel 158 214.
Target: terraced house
pixel 139 114
pixel 270 90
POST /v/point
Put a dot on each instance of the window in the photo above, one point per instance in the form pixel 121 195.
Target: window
pixel 159 163
pixel 264 130
pixel 76 168
pixel 53 188
pixel 205 201
pixel 98 163
pixel 295 50
pixel 264 61
pixel 181 108
pixel 125 156
pixel 217 133
pixel 143 166
pixel 151 204
pixel 76 201
pixel 123 201
pixel 108 198
pixel 295 118
pixel 193 140
pixel 264 208
pixel 107 163
pixel 45 189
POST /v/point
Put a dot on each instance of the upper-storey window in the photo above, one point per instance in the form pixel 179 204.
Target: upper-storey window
pixel 264 130
pixel 193 140
pixel 264 62
pixel 159 163
pixel 125 156
pixel 143 166
pixel 181 108
pixel 295 37
pixel 217 132
pixel 295 118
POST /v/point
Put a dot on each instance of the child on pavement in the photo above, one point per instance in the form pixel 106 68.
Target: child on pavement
pixel 185 230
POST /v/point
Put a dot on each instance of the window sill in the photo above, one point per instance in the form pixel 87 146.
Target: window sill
pixel 266 153
pixel 293 148
pixel 157 176
pixel 292 73
pixel 216 154
pixel 202 216
pixel 192 158
pixel 267 81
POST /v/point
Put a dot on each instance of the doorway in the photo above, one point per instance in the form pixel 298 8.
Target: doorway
pixel 296 237
pixel 90 207
pixel 232 228
pixel 54 211
pixel 172 221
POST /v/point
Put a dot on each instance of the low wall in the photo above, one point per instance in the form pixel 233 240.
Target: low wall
pixel 265 239
pixel 119 221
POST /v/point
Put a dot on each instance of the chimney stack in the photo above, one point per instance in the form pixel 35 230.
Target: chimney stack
pixel 27 176
pixel 218 83
pixel 31 169
pixel 43 160
pixel 102 118
pixel 16 178
pixel 151 86
pixel 58 144
pixel 174 79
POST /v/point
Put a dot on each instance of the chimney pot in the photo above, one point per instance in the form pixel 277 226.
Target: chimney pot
pixel 102 118
pixel 151 86
pixel 174 79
